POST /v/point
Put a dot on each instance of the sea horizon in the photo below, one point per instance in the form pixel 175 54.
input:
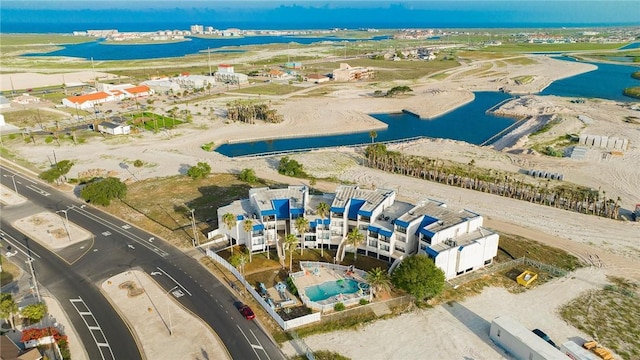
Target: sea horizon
pixel 63 17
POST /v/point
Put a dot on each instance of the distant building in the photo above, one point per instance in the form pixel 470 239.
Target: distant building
pixel 195 81
pixel 317 78
pixel 225 74
pixel 276 74
pixel 348 73
pixel 87 101
pixel 293 65
pixel 107 127
pixel 197 29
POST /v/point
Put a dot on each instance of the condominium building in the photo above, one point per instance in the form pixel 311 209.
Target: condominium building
pixel 392 230
pixel 350 73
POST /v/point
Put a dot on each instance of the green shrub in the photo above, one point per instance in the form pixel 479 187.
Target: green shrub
pixel 201 170
pixel 291 167
pixel 364 301
pixel 48 139
pixel 338 306
pixel 248 175
pixel 138 163
pixel 292 286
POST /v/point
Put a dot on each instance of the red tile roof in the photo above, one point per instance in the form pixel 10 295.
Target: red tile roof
pixel 137 89
pixel 225 65
pixel 88 97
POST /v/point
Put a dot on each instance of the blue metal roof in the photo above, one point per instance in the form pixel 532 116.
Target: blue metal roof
pixel 337 209
pixel 374 228
pixel 432 252
pixel 426 232
pixel 365 213
pixel 258 227
pixel 268 212
pixel 240 217
pixel 282 208
pixel 327 221
pixel 354 206
pixel 401 223
pixel 426 221
pixel 386 232
pixel 297 211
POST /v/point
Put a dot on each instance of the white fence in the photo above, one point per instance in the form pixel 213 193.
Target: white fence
pixel 286 325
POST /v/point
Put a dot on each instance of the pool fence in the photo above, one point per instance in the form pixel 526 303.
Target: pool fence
pixel 285 325
pixel 356 274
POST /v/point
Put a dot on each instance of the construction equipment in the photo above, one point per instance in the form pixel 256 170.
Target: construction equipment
pixel 636 213
pixel 599 350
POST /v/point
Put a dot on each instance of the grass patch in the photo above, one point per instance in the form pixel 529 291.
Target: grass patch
pixel 159 204
pixel 546 127
pixel 633 92
pixel 524 79
pixel 323 355
pixel 520 61
pixel 610 315
pixel 514 246
pixel 555 147
pixel 10 271
pixel 31 118
pixel 268 89
pixel 153 122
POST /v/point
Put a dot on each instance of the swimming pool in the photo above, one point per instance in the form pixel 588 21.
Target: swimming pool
pixel 331 288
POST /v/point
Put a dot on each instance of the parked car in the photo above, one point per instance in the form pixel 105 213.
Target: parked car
pixel 544 337
pixel 247 312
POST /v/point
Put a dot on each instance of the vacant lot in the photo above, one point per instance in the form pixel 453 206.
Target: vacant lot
pixel 610 315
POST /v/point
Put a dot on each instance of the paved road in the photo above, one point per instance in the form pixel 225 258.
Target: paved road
pixel 118 247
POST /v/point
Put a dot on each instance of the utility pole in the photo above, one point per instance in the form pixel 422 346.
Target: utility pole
pixel 33 277
pixel 196 240
pixel 209 61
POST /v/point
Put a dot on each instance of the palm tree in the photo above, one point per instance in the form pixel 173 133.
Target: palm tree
pixel 301 227
pixel 373 134
pixel 323 210
pixel 8 308
pixel 247 225
pixel 230 221
pixel 379 280
pixel 355 238
pixel 290 242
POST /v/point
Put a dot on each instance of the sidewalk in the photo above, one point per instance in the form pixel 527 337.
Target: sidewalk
pixel 163 328
pixel 58 319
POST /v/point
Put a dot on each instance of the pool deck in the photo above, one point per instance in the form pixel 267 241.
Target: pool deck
pixel 324 275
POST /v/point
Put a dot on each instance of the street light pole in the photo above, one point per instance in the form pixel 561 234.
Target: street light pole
pixel 13 177
pixel 169 310
pixel 66 224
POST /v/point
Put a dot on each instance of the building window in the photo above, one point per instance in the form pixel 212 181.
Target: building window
pixel 401 229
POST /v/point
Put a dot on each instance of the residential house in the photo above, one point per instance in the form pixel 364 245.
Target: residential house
pixel 107 127
pixel 10 351
pixel 392 230
pixel 317 78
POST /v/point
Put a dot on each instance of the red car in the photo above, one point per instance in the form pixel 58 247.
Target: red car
pixel 247 312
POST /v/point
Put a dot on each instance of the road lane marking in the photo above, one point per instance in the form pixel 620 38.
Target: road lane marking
pixel 84 312
pixel 175 281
